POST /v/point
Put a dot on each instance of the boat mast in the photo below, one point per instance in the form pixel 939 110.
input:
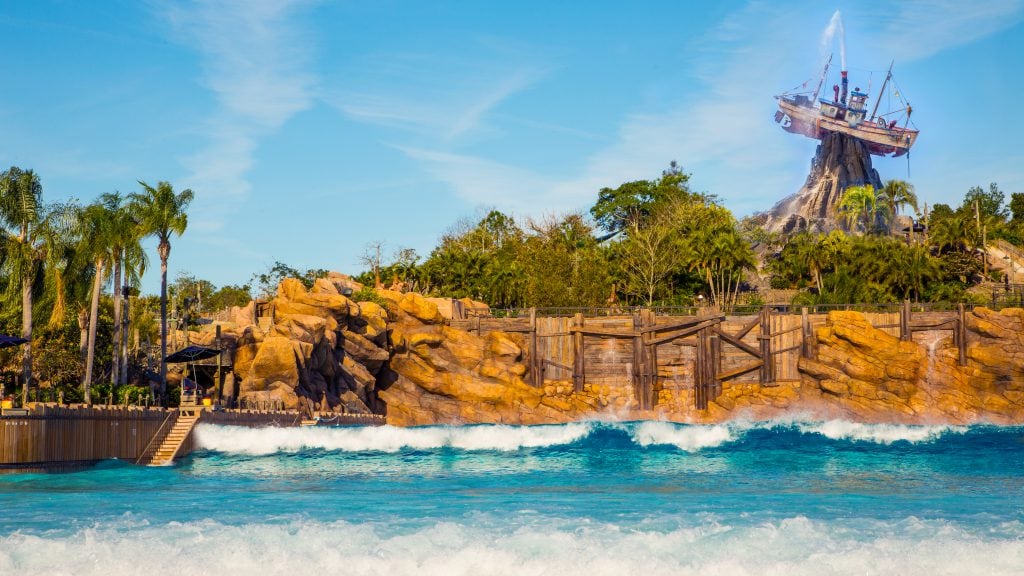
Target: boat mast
pixel 821 80
pixel 881 91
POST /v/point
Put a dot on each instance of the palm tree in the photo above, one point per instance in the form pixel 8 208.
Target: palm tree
pixel 96 224
pixel 162 212
pixel 31 235
pixel 898 194
pixel 954 233
pixel 127 258
pixel 860 208
pixel 20 214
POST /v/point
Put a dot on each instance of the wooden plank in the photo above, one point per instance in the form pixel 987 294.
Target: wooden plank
pixel 650 359
pixel 805 323
pixel 945 325
pixel 961 332
pixel 747 327
pixel 738 344
pixel 740 371
pixel 601 332
pixel 536 366
pixel 786 331
pixel 683 323
pixel 662 339
pixel 786 349
pixel 579 365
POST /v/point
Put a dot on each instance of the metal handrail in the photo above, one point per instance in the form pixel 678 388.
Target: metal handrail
pixel 153 439
pixel 731 310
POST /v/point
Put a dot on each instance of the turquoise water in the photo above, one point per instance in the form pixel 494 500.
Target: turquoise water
pixel 587 498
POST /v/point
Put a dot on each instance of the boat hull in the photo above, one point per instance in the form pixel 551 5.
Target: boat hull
pixel 880 140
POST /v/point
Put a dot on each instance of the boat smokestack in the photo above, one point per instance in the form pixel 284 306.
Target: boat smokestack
pixel 842 94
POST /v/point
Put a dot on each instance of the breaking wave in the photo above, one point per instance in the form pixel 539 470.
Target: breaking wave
pixel 262 441
pixel 505 438
pixel 793 546
pixel 878 433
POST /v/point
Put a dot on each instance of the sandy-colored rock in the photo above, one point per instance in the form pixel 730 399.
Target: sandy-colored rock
pixel 420 308
pixel 302 327
pixel 274 362
pixel 499 344
pixel 293 298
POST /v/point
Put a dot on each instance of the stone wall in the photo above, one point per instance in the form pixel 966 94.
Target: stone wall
pixel 402 357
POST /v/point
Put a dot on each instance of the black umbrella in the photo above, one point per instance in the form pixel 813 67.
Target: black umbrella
pixel 192 354
pixel 8 341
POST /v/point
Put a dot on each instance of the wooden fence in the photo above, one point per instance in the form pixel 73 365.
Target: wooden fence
pixel 52 434
pixel 52 437
pixel 700 350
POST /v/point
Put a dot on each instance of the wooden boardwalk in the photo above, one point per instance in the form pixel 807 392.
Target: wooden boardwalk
pixel 52 437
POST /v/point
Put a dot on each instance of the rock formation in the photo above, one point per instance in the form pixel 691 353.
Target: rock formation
pixel 839 162
pixel 402 356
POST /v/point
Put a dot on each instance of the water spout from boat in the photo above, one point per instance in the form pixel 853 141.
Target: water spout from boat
pixel 835 26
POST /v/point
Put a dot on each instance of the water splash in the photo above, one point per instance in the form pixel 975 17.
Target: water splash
pixel 797 545
pixel 834 28
pixel 266 441
pixel 506 438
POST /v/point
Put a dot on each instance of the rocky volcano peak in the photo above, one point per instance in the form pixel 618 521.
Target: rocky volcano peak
pixel 840 162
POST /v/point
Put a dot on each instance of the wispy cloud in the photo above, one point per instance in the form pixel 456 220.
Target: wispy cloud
pixel 255 59
pixel 437 97
pixel 482 182
pixel 922 28
pixel 725 135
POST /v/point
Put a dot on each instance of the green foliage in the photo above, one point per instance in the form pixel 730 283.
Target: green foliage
pixel 266 282
pixel 864 209
pixel 368 294
pixel 633 203
pixel 1017 207
pixel 987 203
pixel 854 269
pixel 483 261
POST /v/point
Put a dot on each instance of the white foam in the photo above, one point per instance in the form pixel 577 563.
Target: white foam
pixel 795 546
pixel 262 441
pixel 690 438
pixel 878 433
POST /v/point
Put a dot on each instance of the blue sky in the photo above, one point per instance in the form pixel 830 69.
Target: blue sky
pixel 307 129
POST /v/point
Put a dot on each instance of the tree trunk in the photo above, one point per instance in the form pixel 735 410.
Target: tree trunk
pixel 163 326
pixel 83 332
pixel 124 341
pixel 90 354
pixel 26 333
pixel 115 366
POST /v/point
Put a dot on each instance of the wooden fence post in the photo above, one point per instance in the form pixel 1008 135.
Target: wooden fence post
pixel 905 333
pixel 652 362
pixel 220 377
pixel 536 374
pixel 961 333
pixel 579 369
pixel 714 368
pixel 700 399
pixel 806 334
pixel 765 347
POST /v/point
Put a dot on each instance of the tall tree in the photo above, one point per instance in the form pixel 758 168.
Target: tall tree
pixel 161 212
pixel 96 241
pixel 20 212
pixel 633 203
pixel 898 195
pixel 31 235
pixel 128 259
pixel 861 208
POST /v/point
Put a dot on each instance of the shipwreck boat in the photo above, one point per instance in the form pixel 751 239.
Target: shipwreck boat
pixel 815 117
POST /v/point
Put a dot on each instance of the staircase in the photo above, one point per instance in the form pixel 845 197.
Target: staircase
pixel 1009 258
pixel 168 440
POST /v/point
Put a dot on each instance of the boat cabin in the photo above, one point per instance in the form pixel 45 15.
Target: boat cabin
pixel 853 114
